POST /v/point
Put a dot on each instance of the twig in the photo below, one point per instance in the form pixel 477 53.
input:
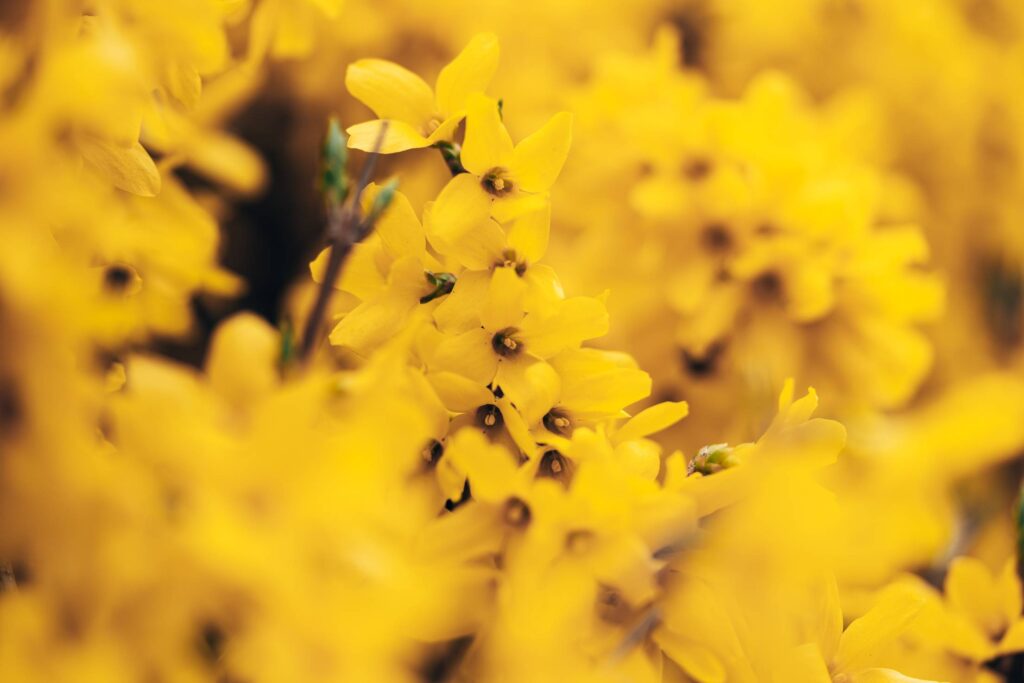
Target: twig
pixel 345 227
pixel 451 152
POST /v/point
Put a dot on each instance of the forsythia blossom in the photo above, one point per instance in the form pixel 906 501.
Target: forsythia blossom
pixel 535 416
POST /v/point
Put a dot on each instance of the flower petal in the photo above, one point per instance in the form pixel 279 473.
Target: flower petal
pixel 490 469
pixel 468 354
pixel 458 393
pixel 504 306
pixel 399 228
pixel 530 384
pixel 391 91
pixel 487 144
pixel 883 676
pixel 127 167
pixel 651 420
pixel 568 324
pixel 470 72
pixel 400 136
pixel 512 206
pixel 972 590
pixel 862 641
pixel 695 659
pixel 598 383
pixel 460 310
pixel 528 234
pixel 457 224
pixel 538 159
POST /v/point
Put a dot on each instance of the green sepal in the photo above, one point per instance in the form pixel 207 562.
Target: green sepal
pixel 443 284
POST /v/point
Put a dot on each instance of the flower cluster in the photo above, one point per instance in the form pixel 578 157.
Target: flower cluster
pixel 444 462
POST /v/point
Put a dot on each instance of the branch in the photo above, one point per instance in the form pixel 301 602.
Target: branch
pixel 345 227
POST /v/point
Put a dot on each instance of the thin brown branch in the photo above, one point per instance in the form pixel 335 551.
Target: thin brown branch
pixel 345 227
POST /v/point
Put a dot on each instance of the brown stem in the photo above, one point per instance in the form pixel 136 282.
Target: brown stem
pixel 345 227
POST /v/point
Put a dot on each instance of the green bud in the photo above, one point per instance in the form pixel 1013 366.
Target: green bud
pixel 443 284
pixel 382 201
pixel 289 348
pixel 333 158
pixel 711 459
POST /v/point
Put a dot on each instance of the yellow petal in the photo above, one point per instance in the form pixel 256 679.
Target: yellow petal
pixel 487 144
pixel 242 361
pixel 695 659
pixel 366 269
pixel 228 161
pixel 460 310
pixel 569 323
pixel 543 288
pixel 825 621
pixel 597 383
pixel 538 159
pixel 530 384
pixel 516 427
pixel 458 393
pixel 883 676
pixel 468 354
pixel 1013 641
pixel 490 469
pixel 802 664
pixel 528 235
pixel 512 206
pixel 391 91
pixel 866 637
pixel 470 72
pixel 972 590
pixel 1009 588
pixel 373 322
pixel 458 224
pixel 399 228
pixel 640 457
pixel 445 131
pixel 399 137
pixel 318 266
pixel 127 167
pixel 504 307
pixel 651 420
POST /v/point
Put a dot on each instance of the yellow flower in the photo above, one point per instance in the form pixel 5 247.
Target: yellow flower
pixel 503 179
pixel 418 116
pixel 594 385
pixel 850 655
pixel 389 274
pixel 984 617
pixel 509 347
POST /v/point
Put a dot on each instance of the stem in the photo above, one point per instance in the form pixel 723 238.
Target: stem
pixel 451 152
pixel 345 227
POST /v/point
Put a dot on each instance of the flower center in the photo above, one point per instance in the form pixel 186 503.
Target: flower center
pixel 554 465
pixel 489 416
pixel 505 344
pixel 496 182
pixel 557 422
pixel 510 259
pixel 516 513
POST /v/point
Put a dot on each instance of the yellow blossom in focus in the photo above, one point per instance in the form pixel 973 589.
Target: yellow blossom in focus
pixel 418 116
